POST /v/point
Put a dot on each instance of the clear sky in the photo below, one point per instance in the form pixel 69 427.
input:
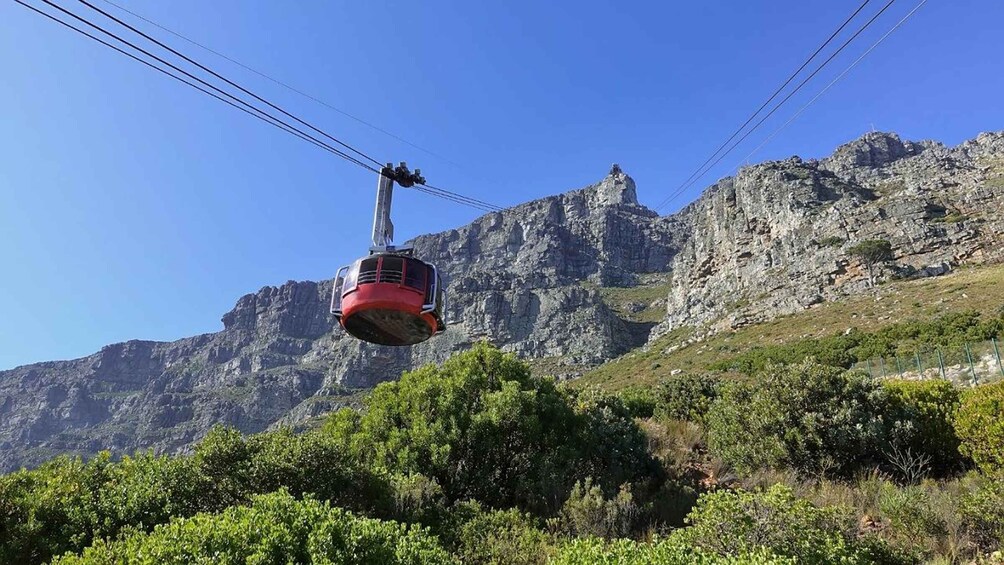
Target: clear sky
pixel 134 207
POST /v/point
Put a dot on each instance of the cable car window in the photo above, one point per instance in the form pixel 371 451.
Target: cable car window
pixel 391 270
pixel 414 274
pixel 349 280
pixel 430 275
pixel 367 271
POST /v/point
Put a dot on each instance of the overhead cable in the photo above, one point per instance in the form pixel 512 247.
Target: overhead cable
pixel 777 106
pixel 833 82
pixel 228 81
pixel 771 98
pixel 285 85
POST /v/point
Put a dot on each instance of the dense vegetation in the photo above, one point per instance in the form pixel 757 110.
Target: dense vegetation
pixel 845 349
pixel 477 461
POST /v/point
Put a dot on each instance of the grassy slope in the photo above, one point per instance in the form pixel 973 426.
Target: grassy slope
pixel 967 288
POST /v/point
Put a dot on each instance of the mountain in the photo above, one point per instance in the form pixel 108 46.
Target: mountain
pixel 568 281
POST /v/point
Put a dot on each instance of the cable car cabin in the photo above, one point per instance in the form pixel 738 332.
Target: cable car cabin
pixel 389 299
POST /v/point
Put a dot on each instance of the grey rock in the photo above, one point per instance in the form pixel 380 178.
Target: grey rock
pixel 531 279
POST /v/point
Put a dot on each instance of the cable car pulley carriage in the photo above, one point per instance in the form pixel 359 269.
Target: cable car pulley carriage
pixel 390 297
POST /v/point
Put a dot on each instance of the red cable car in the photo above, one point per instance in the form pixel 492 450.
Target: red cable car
pixel 389 297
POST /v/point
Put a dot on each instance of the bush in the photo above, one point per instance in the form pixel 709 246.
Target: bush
pixel 983 515
pixel 809 417
pixel 590 551
pixel 274 529
pixel 685 397
pixel 588 513
pixel 640 402
pixel 63 505
pixel 735 523
pixel 500 536
pixel 484 429
pixel 925 412
pixel 980 427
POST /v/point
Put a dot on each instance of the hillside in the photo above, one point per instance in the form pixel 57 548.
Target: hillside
pixel 687 350
pixel 567 282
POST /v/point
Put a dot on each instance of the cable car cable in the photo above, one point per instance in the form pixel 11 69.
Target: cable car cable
pixel 833 82
pixel 228 81
pixel 260 115
pixel 450 196
pixel 251 109
pixel 284 85
pixel 461 196
pixel 777 106
pixel 772 96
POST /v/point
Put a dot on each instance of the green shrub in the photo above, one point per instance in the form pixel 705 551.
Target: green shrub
pixel 275 529
pixel 685 397
pixel 739 522
pixel 924 414
pixel 484 429
pixel 587 512
pixel 477 536
pixel 980 427
pixel 640 402
pixel 832 241
pixel 845 349
pixel 63 505
pixel 809 417
pixel 983 515
pixel 590 551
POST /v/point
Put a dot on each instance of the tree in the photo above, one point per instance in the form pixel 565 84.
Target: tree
pixel 483 428
pixel 872 252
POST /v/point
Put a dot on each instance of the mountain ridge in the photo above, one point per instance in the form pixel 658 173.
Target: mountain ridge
pixel 537 279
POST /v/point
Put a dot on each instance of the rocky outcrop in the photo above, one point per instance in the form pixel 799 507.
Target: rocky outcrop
pixel 775 238
pixel 535 279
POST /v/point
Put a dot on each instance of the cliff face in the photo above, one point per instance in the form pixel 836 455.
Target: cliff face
pixel 774 239
pixel 527 278
pixel 554 280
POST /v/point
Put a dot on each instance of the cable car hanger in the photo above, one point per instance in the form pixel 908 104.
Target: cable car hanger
pixel 390 297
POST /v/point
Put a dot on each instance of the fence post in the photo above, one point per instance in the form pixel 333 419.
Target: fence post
pixel 899 369
pixel 941 363
pixel 882 367
pixel 969 355
pixel 997 352
pixel 868 362
pixel 920 370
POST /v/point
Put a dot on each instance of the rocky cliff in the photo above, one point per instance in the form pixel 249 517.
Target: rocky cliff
pixel 529 278
pixel 567 281
pixel 776 237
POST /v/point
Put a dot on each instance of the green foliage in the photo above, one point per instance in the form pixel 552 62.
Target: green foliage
pixel 508 537
pixel 872 251
pixel 640 402
pixel 904 339
pixel 808 417
pixel 983 515
pixel 587 512
pixel 66 503
pixel 275 529
pixel 980 427
pixel 738 522
pixel 924 412
pixel 484 429
pixel 593 551
pixel 685 397
pixel 832 241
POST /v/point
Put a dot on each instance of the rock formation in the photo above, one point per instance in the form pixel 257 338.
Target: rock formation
pixel 536 279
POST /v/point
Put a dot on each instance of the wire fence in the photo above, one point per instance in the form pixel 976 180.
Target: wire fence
pixel 969 364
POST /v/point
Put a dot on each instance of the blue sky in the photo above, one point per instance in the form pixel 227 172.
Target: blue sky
pixel 134 207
